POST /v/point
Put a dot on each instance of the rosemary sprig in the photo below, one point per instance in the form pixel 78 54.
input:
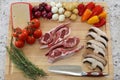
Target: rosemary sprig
pixel 18 58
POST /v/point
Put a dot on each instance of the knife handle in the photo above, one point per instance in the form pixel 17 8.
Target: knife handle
pixel 95 74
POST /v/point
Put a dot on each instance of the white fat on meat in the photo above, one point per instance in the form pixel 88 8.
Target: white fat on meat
pixel 60 35
pixel 67 43
pixel 96 43
pixel 60 53
pixel 94 63
pixel 97 49
pixel 97 37
pixel 55 35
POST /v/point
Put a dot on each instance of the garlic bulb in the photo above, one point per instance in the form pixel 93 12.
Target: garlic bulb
pixel 61 18
pixel 55 17
pixel 61 10
pixel 52 4
pixel 59 5
pixel 54 10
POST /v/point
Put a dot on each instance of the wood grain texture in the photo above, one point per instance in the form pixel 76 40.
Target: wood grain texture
pixel 35 55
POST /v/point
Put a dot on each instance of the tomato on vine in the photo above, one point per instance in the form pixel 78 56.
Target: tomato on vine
pixel 37 33
pixel 35 23
pixel 30 40
pixel 19 43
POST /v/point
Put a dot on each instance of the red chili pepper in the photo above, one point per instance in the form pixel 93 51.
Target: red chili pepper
pixel 100 23
pixel 81 9
pixel 90 5
pixel 97 10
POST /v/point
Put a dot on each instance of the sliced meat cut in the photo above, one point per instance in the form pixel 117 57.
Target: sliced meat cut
pixel 60 53
pixel 60 35
pixel 68 43
pixel 55 35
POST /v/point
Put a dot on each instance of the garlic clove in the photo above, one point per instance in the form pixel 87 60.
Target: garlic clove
pixel 55 17
pixel 54 10
pixel 61 18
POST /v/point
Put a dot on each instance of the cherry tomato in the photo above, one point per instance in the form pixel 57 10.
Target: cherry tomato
pixel 25 31
pixel 19 44
pixel 35 23
pixel 17 31
pixel 23 36
pixel 37 33
pixel 30 40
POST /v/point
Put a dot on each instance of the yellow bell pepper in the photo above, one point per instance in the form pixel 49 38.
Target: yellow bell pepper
pixel 102 15
pixel 93 20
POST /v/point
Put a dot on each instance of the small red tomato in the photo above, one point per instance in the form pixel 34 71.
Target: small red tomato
pixel 17 31
pixel 23 36
pixel 37 33
pixel 30 40
pixel 19 44
pixel 35 23
pixel 25 31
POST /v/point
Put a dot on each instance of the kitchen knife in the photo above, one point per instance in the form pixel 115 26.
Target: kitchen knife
pixel 74 70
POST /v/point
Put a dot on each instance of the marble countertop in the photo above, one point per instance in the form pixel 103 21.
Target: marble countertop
pixel 114 15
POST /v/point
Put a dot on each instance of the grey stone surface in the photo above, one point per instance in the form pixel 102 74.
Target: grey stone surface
pixel 114 15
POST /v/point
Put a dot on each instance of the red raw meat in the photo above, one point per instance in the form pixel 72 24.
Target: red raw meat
pixel 55 35
pixel 60 53
pixel 68 43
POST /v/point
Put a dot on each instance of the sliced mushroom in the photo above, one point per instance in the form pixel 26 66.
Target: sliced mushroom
pixel 98 58
pixel 92 35
pixel 96 49
pixel 99 32
pixel 94 63
pixel 96 43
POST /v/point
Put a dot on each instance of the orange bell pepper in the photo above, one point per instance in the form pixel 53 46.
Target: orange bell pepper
pixel 86 15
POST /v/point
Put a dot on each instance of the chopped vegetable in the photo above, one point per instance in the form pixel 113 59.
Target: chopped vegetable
pixel 100 23
pixel 93 20
pixel 18 58
pixel 86 15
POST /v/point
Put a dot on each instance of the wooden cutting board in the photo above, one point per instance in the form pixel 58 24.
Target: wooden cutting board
pixel 37 56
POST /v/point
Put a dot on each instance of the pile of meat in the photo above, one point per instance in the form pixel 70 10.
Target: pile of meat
pixel 59 43
pixel 96 49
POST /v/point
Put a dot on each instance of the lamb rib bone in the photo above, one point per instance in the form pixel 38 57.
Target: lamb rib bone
pixel 68 43
pixel 60 53
pixel 50 38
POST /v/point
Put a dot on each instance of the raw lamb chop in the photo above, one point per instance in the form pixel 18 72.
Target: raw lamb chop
pixel 55 35
pixel 60 53
pixel 68 43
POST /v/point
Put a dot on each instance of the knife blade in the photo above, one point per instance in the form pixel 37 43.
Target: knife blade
pixel 74 70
